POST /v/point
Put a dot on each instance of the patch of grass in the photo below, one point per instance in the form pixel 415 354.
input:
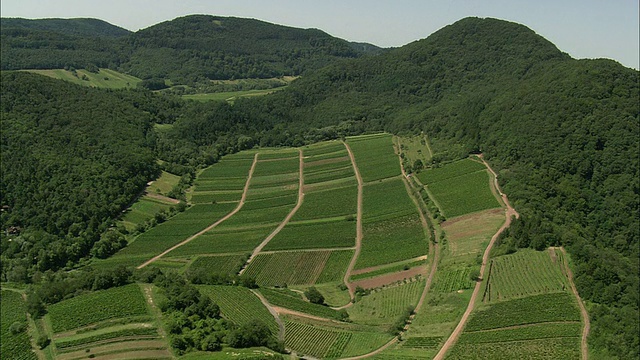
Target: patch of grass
pixel 105 78
pixel 164 183
pixel 230 96
pixel 283 299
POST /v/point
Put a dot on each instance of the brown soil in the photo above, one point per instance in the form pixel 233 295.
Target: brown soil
pixel 240 204
pixel 388 279
pixel 374 268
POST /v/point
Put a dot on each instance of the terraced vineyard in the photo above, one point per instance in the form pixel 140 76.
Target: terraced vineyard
pixel 383 307
pixel 15 339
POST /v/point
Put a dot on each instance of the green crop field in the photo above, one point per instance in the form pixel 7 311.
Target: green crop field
pixel 530 332
pixel 453 280
pixel 527 272
pixel 291 268
pixel 529 310
pixel 375 156
pixel 335 266
pixel 328 203
pixel 387 270
pixel 224 240
pixel 557 348
pixel 334 234
pixel 345 172
pixel 318 150
pixel 276 166
pixel 142 210
pixel 383 307
pixel 237 167
pixel 230 96
pixel 392 240
pixel 14 345
pixel 278 153
pixel 224 264
pixel 274 180
pixel 83 310
pixel 328 164
pixel 105 78
pixel 239 305
pixel 385 200
pixel 286 300
pixel 461 187
pixel 289 199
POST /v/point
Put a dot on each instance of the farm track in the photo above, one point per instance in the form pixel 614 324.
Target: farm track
pixel 583 311
pixel 509 213
pixel 356 253
pixel 273 312
pixel 286 220
pixel 233 212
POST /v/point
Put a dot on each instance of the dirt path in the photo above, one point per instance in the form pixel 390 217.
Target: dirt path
pixel 284 222
pixel 162 198
pixel 233 212
pixel 356 253
pixel 273 312
pixel 583 311
pixel 509 213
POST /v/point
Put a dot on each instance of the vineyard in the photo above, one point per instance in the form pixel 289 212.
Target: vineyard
pixel 382 307
pixel 375 156
pixel 453 280
pixel 224 264
pixel 15 339
pixel 290 268
pixel 239 305
pixel 524 273
pixel 287 300
pixel 116 303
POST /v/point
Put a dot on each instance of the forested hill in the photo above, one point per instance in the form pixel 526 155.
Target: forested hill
pixel 184 50
pixel 78 26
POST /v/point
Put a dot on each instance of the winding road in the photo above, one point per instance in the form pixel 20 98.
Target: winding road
pixel 509 213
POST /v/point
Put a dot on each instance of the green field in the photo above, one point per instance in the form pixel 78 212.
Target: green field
pixel 326 234
pixel 239 305
pixel 164 183
pixel 224 264
pixel 14 345
pixel 384 200
pixel 527 272
pixel 328 203
pixel 142 210
pixel 285 299
pixel 384 306
pixel 105 78
pixel 230 96
pixel 460 187
pixel 115 303
pixel 290 268
pixel 375 156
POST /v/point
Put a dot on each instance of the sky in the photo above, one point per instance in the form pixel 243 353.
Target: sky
pixel 581 28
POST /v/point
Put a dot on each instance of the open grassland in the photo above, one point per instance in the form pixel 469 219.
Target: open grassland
pixel 291 268
pixel 239 305
pixel 320 235
pixel 142 210
pixel 392 240
pixel 230 96
pixel 105 78
pixel 468 235
pixel 164 183
pixel 289 300
pixel 527 272
pixel 223 264
pixel 14 344
pixel 415 148
pixel 83 310
pixel 383 307
pixel 328 203
pixel 460 187
pixel 375 156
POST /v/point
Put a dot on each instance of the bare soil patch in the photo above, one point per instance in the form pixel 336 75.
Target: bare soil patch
pixel 388 279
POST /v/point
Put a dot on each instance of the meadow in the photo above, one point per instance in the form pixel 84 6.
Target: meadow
pixel 229 96
pixel 105 78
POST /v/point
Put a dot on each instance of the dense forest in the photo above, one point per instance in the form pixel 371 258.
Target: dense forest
pixel 185 50
pixel 563 133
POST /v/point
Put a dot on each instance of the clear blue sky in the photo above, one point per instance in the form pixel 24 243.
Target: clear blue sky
pixel 582 28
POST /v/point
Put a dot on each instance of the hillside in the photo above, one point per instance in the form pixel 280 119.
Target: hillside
pixel 562 134
pixel 185 50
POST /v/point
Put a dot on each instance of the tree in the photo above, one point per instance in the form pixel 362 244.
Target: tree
pixel 314 296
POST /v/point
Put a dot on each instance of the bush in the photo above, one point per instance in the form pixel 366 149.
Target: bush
pixel 43 341
pixel 314 296
pixel 16 328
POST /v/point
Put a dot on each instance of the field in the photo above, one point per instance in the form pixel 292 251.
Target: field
pixel 383 307
pixel 224 264
pixel 105 78
pixel 230 96
pixel 290 268
pixel 14 345
pixel 460 188
pixel 163 184
pixel 223 181
pixel 142 210
pixel 290 300
pixel 527 272
pixel 415 148
pixel 121 302
pixel 240 305
pixel 375 156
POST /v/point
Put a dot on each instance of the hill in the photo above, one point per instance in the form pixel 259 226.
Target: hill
pixel 185 50
pixel 78 26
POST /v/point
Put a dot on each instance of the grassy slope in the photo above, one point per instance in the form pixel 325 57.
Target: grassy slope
pixel 105 78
